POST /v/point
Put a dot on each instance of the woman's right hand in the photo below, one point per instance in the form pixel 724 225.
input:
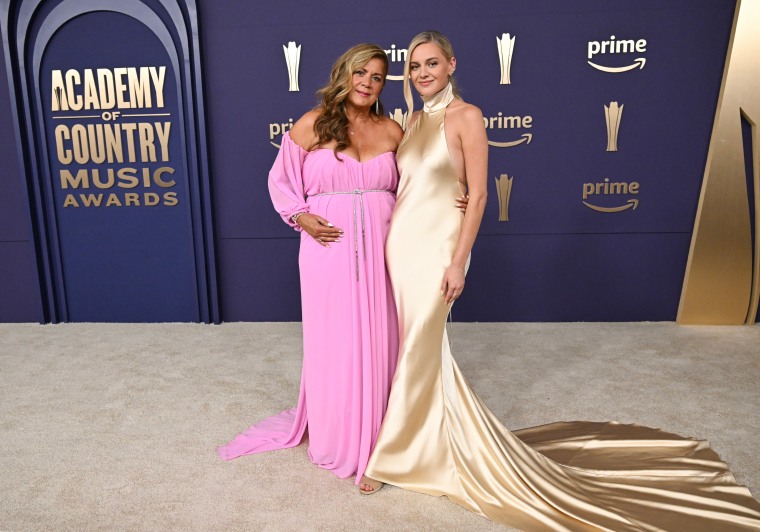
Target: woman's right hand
pixel 320 229
pixel 462 202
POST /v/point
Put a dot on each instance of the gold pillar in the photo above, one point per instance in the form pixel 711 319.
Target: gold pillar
pixel 721 283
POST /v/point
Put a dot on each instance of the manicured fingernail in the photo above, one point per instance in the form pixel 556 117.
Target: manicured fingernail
pixel 330 225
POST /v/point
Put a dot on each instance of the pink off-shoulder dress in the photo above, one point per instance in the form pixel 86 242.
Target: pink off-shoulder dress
pixel 350 338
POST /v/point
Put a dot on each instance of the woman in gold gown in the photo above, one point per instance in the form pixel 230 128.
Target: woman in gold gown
pixel 439 438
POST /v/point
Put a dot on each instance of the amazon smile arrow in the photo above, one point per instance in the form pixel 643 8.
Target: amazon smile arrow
pixel 526 138
pixel 640 62
pixel 630 203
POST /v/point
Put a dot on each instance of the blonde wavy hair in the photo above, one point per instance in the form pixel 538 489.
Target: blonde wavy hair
pixel 442 42
pixel 332 122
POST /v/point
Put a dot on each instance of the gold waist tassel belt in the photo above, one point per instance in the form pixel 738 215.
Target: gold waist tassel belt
pixel 356 193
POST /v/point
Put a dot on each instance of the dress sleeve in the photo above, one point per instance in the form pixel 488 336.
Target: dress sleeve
pixel 286 186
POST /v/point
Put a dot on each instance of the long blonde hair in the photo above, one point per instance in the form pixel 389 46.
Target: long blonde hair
pixel 332 122
pixel 442 42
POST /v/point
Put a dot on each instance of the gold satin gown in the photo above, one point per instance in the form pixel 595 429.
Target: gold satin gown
pixel 439 438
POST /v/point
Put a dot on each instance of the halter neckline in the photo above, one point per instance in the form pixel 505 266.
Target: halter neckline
pixel 439 100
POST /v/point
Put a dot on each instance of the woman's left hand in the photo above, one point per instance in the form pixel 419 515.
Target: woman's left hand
pixel 452 284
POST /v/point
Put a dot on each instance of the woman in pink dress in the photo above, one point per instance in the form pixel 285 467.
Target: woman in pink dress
pixel 334 180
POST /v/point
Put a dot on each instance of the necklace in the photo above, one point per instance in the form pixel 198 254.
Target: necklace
pixel 357 119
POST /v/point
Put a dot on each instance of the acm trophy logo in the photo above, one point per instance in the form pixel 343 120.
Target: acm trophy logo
pixel 292 63
pixel 613 114
pixel 503 193
pixel 399 116
pixel 506 45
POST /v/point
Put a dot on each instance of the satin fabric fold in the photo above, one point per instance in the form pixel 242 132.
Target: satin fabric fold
pixel 439 438
pixel 350 338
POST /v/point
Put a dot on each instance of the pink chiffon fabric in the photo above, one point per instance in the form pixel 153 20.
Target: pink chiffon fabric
pixel 350 338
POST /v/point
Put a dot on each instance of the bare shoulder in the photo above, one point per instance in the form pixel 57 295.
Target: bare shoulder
pixel 465 114
pixel 302 132
pixel 393 129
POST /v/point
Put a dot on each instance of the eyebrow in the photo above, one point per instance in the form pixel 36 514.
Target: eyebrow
pixel 425 60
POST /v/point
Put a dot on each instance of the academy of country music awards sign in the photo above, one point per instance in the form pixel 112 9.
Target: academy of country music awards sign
pixel 612 55
pixel 114 117
pixel 114 158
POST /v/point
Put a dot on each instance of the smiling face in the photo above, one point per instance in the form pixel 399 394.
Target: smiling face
pixel 367 83
pixel 429 69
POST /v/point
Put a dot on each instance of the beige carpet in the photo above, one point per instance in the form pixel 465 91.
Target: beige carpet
pixel 113 426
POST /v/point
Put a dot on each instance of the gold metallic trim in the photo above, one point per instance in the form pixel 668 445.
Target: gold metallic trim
pixel 755 295
pixel 720 280
pixel 146 114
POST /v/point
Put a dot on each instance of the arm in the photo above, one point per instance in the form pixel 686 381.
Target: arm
pixel 286 187
pixel 474 142
pixel 286 184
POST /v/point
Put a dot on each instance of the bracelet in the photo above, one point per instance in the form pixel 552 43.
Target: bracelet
pixel 294 218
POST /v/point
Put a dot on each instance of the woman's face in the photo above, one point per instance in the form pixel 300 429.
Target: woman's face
pixel 367 84
pixel 429 69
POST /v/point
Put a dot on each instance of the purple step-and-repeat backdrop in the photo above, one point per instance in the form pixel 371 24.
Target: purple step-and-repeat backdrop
pixel 598 115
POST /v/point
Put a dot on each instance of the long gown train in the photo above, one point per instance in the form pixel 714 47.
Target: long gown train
pixel 439 438
pixel 350 339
